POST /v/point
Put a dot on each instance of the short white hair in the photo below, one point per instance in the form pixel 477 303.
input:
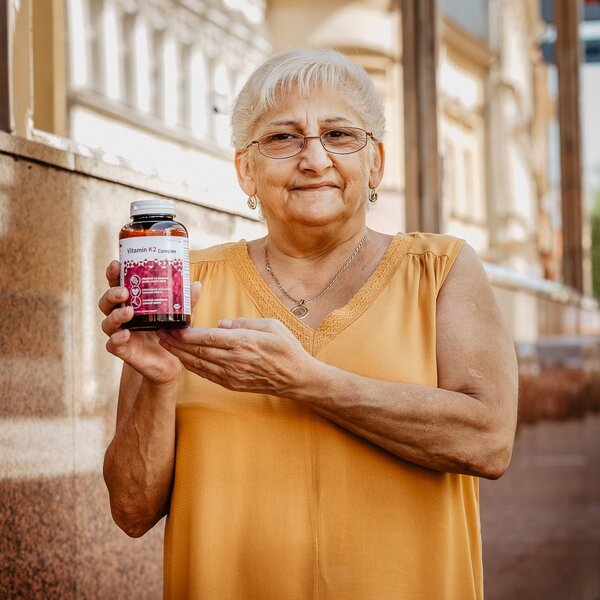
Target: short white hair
pixel 304 71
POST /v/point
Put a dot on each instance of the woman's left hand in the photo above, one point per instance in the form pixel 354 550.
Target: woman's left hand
pixel 245 355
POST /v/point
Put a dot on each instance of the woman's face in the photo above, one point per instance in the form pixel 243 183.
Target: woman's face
pixel 314 187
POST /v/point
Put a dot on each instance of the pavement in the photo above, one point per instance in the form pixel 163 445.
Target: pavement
pixel 541 520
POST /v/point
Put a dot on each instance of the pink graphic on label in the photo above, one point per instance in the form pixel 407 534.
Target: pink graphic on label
pixel 155 286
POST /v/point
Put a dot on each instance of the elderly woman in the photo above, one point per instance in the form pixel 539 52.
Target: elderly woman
pixel 320 430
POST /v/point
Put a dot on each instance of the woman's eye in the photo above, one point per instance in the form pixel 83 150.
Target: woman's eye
pixel 337 133
pixel 279 137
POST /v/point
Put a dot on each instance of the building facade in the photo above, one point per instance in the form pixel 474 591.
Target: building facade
pixel 149 85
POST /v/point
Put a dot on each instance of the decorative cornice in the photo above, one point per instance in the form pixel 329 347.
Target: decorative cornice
pixel 146 122
pixel 189 20
pixel 455 110
pixel 469 46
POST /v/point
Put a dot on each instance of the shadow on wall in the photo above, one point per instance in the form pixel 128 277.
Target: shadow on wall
pixel 559 378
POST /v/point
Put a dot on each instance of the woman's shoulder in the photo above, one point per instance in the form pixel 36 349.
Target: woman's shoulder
pixel 435 243
pixel 215 253
pixel 432 255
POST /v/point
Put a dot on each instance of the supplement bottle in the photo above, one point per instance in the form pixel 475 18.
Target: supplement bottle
pixel 155 266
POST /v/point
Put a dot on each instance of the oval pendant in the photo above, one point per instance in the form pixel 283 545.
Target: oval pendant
pixel 299 311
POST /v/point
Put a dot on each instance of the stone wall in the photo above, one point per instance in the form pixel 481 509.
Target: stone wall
pixel 60 215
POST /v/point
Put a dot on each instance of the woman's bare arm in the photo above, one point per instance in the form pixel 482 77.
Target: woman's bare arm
pixel 466 425
pixel 139 462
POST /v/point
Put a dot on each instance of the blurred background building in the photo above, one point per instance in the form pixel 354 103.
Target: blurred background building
pixel 106 101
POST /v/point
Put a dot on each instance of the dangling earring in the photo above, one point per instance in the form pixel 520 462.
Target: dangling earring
pixel 372 195
pixel 252 202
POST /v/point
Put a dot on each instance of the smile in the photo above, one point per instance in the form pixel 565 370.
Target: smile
pixel 313 188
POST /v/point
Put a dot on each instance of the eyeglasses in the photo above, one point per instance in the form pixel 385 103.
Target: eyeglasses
pixel 343 140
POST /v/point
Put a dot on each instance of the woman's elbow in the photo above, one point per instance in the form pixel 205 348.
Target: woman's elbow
pixel 134 524
pixel 496 438
pixel 135 514
pixel 496 458
pixel 496 468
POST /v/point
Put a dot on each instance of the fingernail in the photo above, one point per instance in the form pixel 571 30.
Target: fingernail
pixel 225 323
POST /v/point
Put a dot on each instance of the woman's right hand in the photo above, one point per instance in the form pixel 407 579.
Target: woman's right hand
pixel 139 349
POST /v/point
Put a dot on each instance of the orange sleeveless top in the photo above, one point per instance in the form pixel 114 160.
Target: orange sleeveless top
pixel 273 502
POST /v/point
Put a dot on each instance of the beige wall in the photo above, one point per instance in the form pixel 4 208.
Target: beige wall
pixel 368 32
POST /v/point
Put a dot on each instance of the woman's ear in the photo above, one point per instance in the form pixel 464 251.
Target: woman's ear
pixel 376 171
pixel 244 172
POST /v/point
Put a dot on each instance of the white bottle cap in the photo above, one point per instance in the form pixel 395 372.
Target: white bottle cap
pixel 152 207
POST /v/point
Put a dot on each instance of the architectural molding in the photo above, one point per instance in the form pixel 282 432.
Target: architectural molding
pixel 146 122
pixel 64 154
pixel 455 110
pixel 373 61
pixel 471 48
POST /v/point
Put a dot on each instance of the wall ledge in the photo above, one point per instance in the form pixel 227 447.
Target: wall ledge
pixel 61 153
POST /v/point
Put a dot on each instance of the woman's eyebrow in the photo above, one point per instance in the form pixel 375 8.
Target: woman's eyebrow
pixel 284 123
pixel 297 125
pixel 337 120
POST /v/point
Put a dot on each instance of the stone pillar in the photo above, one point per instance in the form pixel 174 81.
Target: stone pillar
pixel 5 113
pixel 419 66
pixel 16 68
pixel 49 67
pixel 567 52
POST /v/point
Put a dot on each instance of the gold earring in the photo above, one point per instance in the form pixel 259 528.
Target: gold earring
pixel 252 202
pixel 372 195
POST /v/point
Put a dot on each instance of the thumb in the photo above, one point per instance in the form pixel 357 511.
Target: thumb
pixel 195 292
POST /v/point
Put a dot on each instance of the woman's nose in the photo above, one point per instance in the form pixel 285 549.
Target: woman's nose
pixel 314 157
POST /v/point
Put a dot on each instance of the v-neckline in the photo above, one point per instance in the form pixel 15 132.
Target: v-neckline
pixel 271 306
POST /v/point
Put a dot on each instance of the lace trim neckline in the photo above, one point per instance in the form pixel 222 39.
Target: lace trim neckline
pixel 271 306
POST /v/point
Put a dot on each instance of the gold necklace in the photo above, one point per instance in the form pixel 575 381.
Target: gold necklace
pixel 299 310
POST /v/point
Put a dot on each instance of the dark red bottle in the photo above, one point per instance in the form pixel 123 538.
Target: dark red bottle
pixel 155 266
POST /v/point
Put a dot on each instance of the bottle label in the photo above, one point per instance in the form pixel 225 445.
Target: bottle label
pixel 156 271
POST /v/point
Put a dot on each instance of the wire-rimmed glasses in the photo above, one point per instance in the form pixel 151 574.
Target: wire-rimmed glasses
pixel 283 144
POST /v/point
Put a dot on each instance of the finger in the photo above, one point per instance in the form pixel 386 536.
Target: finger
pixel 116 319
pixel 112 298
pixel 195 292
pixel 191 352
pixel 200 336
pixel 204 367
pixel 117 343
pixel 266 325
pixel 113 273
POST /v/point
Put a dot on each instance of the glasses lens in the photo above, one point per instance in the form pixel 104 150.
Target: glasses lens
pixel 280 145
pixel 344 140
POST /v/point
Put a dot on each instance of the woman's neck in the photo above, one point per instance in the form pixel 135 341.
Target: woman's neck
pixel 313 245
pixel 305 271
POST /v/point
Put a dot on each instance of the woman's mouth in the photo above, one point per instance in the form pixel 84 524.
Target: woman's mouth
pixel 315 187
